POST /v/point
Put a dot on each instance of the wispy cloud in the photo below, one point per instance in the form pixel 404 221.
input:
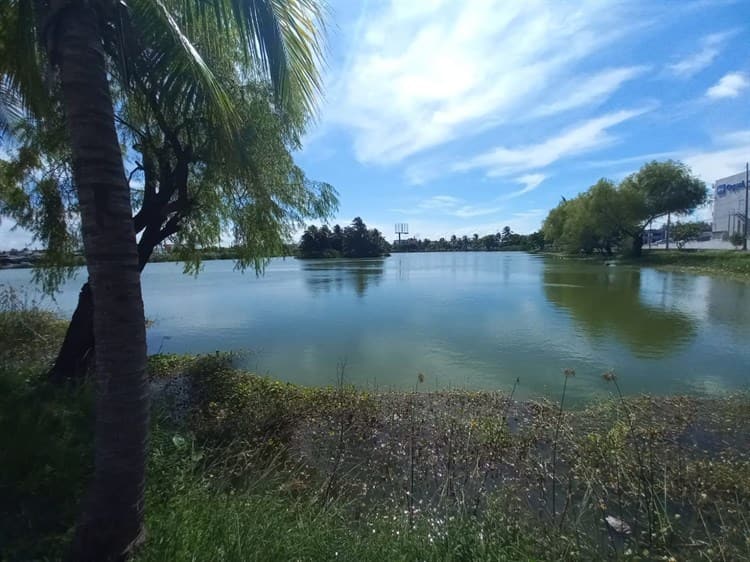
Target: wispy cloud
pixel 585 137
pixel 425 72
pixel 440 202
pixel 447 205
pixel 729 86
pixel 530 182
pixel 710 48
pixel 726 155
pixel 639 158
pixel 587 90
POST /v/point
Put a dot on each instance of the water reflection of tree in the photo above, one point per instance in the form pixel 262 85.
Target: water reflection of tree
pixel 607 302
pixel 729 304
pixel 323 276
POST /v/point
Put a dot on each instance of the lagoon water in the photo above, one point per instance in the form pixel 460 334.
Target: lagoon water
pixel 472 320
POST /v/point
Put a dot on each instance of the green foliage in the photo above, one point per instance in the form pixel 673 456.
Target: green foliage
pixel 46 436
pixel 664 187
pixel 244 474
pixel 684 232
pixel 354 241
pixel 29 334
pixel 606 216
pixel 36 191
pixel 506 240
pixel 719 262
pixel 210 105
pixel 590 222
pixel 736 239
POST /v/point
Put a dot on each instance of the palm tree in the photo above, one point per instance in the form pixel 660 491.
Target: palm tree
pixel 86 41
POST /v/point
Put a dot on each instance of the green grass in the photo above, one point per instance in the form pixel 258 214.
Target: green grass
pixel 729 263
pixel 243 467
pixel 194 516
pixel 732 262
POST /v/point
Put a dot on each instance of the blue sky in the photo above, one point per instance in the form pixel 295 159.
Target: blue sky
pixel 464 117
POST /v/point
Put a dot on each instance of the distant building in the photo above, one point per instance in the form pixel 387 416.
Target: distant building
pixel 729 205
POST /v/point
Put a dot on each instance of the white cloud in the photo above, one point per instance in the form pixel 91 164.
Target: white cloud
pixel 639 158
pixel 729 86
pixel 587 90
pixel 440 202
pixel 587 136
pixel 725 156
pixel 426 72
pixel 710 47
pixel 711 165
pixel 451 206
pixel 530 183
pixel 469 211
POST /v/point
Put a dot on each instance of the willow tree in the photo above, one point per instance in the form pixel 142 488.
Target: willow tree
pixel 73 47
pixel 608 215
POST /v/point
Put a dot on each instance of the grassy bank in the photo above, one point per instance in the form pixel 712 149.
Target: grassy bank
pixel 730 263
pixel 722 262
pixel 246 468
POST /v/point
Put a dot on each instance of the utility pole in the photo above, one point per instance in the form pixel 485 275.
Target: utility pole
pixel 747 177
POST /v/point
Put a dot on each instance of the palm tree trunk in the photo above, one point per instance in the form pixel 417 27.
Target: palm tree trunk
pixel 112 519
pixel 74 358
pixel 76 352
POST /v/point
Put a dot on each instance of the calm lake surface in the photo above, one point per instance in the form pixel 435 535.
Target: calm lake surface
pixel 472 320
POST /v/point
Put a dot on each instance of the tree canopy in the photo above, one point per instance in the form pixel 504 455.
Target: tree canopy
pixel 609 216
pixel 504 240
pixel 353 241
pixel 209 101
pixel 189 183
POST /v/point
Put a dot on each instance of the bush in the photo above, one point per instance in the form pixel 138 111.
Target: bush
pixel 737 239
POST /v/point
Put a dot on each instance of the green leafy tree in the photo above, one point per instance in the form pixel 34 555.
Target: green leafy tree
pixel 196 186
pixel 607 215
pixel 505 235
pixel 658 189
pixel 684 232
pixel 90 43
pixel 354 241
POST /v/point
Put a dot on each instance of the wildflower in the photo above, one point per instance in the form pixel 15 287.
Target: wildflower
pixel 609 376
pixel 420 377
pixel 569 372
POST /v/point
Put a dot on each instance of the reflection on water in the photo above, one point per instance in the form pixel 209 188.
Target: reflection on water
pixel 477 320
pixel 324 275
pixel 607 302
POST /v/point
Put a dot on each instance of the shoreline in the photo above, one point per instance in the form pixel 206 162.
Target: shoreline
pixel 732 263
pixel 243 466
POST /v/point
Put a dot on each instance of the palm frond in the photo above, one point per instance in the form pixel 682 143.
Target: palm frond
pixel 280 40
pixel 161 55
pixel 22 65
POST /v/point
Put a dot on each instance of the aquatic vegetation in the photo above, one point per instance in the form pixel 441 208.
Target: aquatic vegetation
pixel 237 458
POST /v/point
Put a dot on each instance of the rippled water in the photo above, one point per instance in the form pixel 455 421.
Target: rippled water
pixel 476 320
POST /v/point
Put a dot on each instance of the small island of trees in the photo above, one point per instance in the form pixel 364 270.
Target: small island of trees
pixel 354 241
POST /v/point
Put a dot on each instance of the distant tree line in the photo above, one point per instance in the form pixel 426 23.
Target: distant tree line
pixel 353 241
pixel 610 217
pixel 505 240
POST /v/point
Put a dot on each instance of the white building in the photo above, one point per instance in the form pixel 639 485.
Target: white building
pixel 729 205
